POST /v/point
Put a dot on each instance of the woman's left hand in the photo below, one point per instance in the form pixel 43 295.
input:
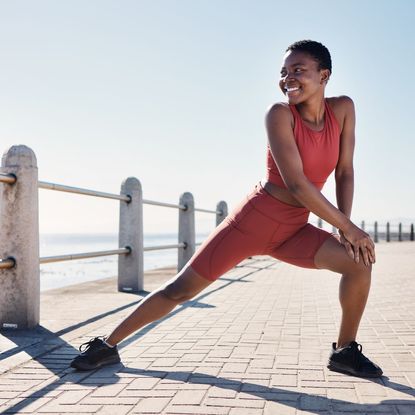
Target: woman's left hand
pixel 347 245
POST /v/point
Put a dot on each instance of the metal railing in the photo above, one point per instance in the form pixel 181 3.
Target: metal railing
pixel 80 191
pixel 7 178
pixel 158 247
pixel 7 263
pixel 19 220
pixel 84 255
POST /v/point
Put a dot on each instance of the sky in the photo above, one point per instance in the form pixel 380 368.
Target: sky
pixel 175 92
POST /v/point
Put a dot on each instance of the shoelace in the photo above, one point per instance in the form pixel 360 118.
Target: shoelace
pixel 87 345
pixel 358 355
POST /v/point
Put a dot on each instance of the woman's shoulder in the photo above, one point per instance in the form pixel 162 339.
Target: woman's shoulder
pixel 279 111
pixel 342 107
pixel 341 102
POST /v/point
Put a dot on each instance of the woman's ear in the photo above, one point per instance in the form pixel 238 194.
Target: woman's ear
pixel 325 76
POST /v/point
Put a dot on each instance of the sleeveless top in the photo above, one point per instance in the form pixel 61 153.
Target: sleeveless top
pixel 319 150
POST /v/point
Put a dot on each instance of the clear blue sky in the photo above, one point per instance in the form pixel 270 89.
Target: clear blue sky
pixel 175 92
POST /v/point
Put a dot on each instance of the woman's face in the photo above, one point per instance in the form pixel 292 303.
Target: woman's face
pixel 300 77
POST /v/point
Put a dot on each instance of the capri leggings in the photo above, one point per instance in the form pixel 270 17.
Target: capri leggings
pixel 259 225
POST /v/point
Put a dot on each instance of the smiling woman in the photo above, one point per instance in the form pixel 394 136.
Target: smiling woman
pixel 309 137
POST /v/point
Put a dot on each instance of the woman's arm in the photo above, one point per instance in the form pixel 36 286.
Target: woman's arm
pixel 344 170
pixel 286 155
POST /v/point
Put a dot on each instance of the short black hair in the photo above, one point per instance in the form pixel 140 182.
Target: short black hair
pixel 316 50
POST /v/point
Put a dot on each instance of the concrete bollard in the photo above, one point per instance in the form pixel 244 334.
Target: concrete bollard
pixel 186 230
pixel 376 235
pixel 130 267
pixel 19 230
pixel 388 232
pixel 400 232
pixel 222 206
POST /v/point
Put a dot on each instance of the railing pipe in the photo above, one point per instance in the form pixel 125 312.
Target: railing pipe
pixel 84 255
pixel 78 190
pixel 7 178
pixel 156 248
pixel 170 205
pixel 186 230
pixel 207 211
pixel 7 263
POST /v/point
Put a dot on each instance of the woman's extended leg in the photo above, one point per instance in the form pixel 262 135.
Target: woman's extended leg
pixel 181 288
pixel 99 352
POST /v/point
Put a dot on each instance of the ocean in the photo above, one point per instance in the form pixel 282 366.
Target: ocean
pixel 61 274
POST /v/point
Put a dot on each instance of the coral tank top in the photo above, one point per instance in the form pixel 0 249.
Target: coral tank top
pixel 319 150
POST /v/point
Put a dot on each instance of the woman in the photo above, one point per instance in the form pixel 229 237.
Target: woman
pixel 308 138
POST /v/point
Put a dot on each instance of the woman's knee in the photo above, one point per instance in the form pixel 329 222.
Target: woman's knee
pixel 185 286
pixel 359 271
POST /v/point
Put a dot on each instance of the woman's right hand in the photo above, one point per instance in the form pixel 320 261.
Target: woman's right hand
pixel 361 243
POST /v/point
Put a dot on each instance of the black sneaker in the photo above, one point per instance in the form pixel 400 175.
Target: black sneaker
pixel 352 361
pixel 94 354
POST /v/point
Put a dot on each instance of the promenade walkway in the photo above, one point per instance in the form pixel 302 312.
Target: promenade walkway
pixel 255 342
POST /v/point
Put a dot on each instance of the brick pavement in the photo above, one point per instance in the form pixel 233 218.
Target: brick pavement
pixel 255 342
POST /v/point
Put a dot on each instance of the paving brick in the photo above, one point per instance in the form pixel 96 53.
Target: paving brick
pixel 234 367
pixel 111 401
pixel 283 380
pixel 190 397
pixel 235 403
pixel 143 383
pixel 245 411
pixel 280 408
pixel 109 410
pixel 151 405
pixel 54 407
pixel 196 410
pixel 71 397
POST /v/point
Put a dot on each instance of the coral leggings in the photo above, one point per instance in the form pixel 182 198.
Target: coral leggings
pixel 259 225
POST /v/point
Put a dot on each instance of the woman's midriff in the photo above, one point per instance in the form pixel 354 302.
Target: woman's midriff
pixel 283 195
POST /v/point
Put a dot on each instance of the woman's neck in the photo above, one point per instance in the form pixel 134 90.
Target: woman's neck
pixel 312 111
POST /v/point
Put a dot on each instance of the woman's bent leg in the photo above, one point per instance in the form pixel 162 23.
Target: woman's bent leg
pixel 346 356
pixel 353 289
pixel 186 285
